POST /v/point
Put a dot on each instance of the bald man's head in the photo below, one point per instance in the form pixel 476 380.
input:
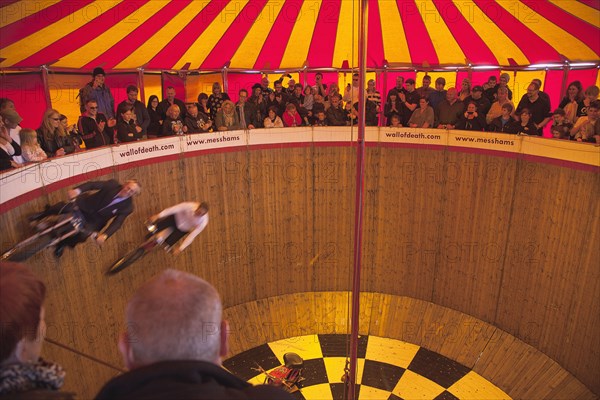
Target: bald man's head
pixel 174 316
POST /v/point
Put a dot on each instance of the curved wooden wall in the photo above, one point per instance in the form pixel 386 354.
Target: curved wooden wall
pixel 506 240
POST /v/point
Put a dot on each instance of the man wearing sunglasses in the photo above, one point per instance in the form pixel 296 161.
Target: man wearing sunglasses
pixel 94 127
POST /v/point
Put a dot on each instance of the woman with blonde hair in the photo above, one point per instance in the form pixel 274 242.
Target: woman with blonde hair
pixel 30 147
pixel 227 119
pixel 52 136
pixel 465 89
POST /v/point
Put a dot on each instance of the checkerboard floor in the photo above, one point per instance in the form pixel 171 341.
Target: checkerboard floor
pixel 387 369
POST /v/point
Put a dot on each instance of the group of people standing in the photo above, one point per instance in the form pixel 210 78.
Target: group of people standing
pixel 487 107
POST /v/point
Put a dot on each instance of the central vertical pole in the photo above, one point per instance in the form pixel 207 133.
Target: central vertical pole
pixel 358 209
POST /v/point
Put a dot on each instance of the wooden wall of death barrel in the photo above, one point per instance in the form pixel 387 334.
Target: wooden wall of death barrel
pixel 517 368
pixel 506 240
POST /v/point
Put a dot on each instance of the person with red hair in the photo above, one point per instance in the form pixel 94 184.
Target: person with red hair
pixel 23 374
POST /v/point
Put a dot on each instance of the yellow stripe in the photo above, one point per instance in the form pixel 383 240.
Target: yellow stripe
pixel 395 45
pixel 497 41
pixel 446 47
pixel 562 41
pixel 37 41
pixel 296 51
pixel 110 37
pixel 346 46
pixel 23 9
pixel 148 50
pixel 201 48
pixel 579 10
pixel 247 53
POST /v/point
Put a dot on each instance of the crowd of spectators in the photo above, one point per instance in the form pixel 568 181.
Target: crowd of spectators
pixel 486 107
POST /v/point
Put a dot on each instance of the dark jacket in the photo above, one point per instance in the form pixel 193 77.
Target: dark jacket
pixel 51 145
pixel 509 127
pixel 185 380
pixel 95 206
pixel 91 133
pixel 126 131
pixel 5 158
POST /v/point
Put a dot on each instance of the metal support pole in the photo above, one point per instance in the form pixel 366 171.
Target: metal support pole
pixel 44 69
pixel 141 85
pixel 360 171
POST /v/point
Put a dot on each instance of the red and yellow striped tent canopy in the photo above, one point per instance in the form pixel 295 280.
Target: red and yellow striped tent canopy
pixel 283 34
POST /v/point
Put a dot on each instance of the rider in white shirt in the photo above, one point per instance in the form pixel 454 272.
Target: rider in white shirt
pixel 187 218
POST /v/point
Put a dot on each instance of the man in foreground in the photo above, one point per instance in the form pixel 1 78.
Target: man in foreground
pixel 174 344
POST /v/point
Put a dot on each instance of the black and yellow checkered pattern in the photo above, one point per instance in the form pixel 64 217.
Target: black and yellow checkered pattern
pixel 387 369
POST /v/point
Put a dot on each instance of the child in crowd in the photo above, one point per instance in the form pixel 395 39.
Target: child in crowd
pixel 30 147
pixel 273 120
pixel 561 127
pixel 321 119
pixel 395 121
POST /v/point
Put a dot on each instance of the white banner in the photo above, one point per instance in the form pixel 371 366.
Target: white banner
pixel 437 137
pixel 215 140
pixel 146 149
pixel 485 140
pixel 280 135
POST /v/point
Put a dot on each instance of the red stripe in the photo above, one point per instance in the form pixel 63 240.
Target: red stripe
pixel 467 38
pixel 534 48
pixel 176 48
pixel 79 37
pixel 419 43
pixel 231 40
pixel 127 45
pixel 274 47
pixel 582 30
pixel 591 3
pixel 375 52
pixel 24 27
pixel 322 44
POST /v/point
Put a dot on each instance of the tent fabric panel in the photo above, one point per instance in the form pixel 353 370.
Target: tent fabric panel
pixel 446 46
pixel 44 37
pixel 15 10
pixel 90 40
pixel 272 51
pixel 392 30
pixel 375 53
pixel 583 31
pixel 194 40
pixel 236 82
pixel 587 77
pixel 484 18
pixel 196 84
pixel 26 20
pixel 556 38
pixel 198 51
pixel 64 89
pixel 587 13
pixel 154 46
pixel 346 40
pixel 234 36
pixel 591 3
pixel 528 44
pixel 27 92
pixel 320 53
pixel 249 50
pixel 144 29
pixel 152 85
pixel 296 51
pixel 418 39
pixel 471 44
